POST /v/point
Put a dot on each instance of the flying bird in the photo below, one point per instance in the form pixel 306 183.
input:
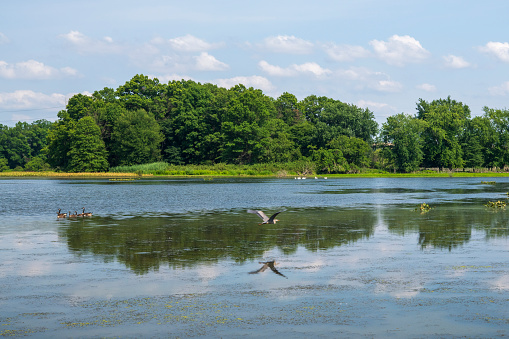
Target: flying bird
pixel 265 218
pixel 268 264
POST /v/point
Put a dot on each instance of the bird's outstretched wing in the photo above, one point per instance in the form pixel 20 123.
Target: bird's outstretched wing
pixel 271 219
pixel 263 268
pixel 268 264
pixel 277 272
pixel 261 214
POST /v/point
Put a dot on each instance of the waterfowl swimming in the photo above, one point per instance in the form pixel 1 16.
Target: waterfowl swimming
pixel 268 264
pixel 88 214
pixel 75 215
pixel 265 218
pixel 61 215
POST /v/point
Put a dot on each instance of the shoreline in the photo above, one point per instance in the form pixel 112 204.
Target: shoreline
pixel 113 175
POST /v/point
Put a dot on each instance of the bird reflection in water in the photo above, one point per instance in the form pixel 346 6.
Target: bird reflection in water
pixel 269 264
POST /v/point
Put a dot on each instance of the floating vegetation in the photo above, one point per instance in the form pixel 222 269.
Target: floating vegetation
pixel 424 208
pixel 496 204
pixel 488 182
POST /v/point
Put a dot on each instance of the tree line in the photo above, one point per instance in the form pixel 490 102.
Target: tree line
pixel 185 122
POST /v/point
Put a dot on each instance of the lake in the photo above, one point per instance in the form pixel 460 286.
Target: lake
pixel 181 257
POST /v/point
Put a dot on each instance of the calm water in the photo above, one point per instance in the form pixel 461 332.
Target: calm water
pixel 172 257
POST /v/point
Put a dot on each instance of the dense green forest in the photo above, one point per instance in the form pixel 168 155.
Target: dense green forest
pixel 185 122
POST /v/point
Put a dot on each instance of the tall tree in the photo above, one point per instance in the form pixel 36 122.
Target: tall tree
pixel 445 120
pixel 78 106
pixel 87 151
pixel 313 106
pixel 277 143
pixel 403 142
pixel 476 135
pixel 349 120
pixel 287 109
pixel 59 141
pixel 330 161
pixel 496 145
pixel 355 150
pixel 136 138
pixel 142 92
pixel 14 146
pixel 247 111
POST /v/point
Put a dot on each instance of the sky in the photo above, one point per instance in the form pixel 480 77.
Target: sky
pixel 380 55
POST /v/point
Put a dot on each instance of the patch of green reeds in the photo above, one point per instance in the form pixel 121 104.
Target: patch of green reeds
pixel 221 169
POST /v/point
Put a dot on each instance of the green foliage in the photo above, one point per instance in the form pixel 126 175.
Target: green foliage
pixel 136 137
pixel 330 161
pixel 87 152
pixel 269 169
pixel 141 92
pixel 59 142
pixel 20 143
pixel 355 150
pixel 78 106
pixel 155 167
pixel 402 139
pixel 496 132
pixel 445 120
pixel 287 109
pixel 187 123
pixel 37 164
pixel 4 165
pixel 473 141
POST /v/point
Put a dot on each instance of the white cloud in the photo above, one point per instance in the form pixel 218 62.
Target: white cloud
pixel 372 104
pixel 453 61
pixel 33 69
pixel 189 43
pixel 345 52
pixel 68 71
pixel 207 62
pixel 362 78
pixel 312 68
pixel 502 89
pixel 275 70
pixel 388 86
pixel 25 99
pixel 399 50
pixel 287 44
pixel 254 81
pixel 354 73
pixel 427 87
pixel 85 45
pixel 294 70
pixel 3 39
pixel 498 49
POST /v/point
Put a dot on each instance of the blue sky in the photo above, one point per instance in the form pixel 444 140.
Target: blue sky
pixel 383 55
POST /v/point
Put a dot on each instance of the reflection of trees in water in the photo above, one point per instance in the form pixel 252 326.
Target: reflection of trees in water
pixel 145 243
pixel 448 226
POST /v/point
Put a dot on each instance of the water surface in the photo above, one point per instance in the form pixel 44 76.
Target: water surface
pixel 172 257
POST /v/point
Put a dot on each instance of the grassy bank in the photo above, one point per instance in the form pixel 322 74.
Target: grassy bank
pixel 221 169
pixel 50 174
pixel 295 169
